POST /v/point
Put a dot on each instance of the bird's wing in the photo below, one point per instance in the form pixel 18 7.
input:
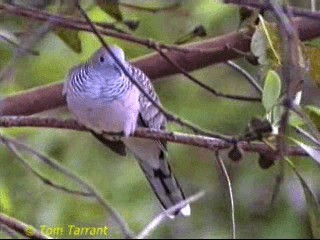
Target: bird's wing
pixel 151 153
pixel 149 115
pixel 157 170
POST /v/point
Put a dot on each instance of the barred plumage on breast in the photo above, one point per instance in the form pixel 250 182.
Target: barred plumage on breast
pixel 78 80
pixel 86 82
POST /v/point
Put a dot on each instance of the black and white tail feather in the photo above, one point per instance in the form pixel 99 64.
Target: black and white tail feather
pixel 165 186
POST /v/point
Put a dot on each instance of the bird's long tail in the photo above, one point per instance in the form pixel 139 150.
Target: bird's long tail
pixel 165 186
pixel 158 173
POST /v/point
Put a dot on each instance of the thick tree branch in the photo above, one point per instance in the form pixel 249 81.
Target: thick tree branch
pixel 48 97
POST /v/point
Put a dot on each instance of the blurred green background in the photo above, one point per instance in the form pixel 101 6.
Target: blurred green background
pixel 119 179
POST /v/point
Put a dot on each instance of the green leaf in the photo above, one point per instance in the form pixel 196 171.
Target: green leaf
pixel 71 38
pixel 314 114
pixel 258 46
pixel 111 7
pixel 313 56
pixel 265 44
pixel 272 36
pixel 312 204
pixel 276 115
pixel 295 120
pixel 313 43
pixel 314 109
pixel 271 90
pixel 313 152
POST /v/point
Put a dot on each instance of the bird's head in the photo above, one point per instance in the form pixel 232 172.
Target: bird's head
pixel 104 62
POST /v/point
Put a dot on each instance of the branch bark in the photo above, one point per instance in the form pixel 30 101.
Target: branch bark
pixel 218 50
pixel 20 227
pixel 181 138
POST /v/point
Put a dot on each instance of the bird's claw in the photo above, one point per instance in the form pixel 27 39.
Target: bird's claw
pixel 114 136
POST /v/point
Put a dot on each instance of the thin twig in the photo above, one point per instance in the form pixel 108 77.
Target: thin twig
pixel 291 74
pixel 45 180
pixel 203 85
pixel 162 217
pixel 246 75
pixel 169 116
pixel 306 119
pixel 290 69
pixel 307 135
pixel 20 227
pixel 81 25
pixel 278 183
pixel 16 45
pixel 265 6
pixel 150 9
pixel 27 42
pixel 90 189
pixel 313 5
pixel 228 180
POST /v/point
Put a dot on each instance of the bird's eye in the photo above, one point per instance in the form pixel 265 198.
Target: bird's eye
pixel 101 59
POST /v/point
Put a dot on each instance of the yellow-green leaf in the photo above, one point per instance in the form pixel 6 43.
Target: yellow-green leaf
pixel 265 44
pixel 313 56
pixel 111 7
pixel 295 120
pixel 314 114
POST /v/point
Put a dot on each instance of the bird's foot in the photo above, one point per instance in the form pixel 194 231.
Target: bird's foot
pixel 114 136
